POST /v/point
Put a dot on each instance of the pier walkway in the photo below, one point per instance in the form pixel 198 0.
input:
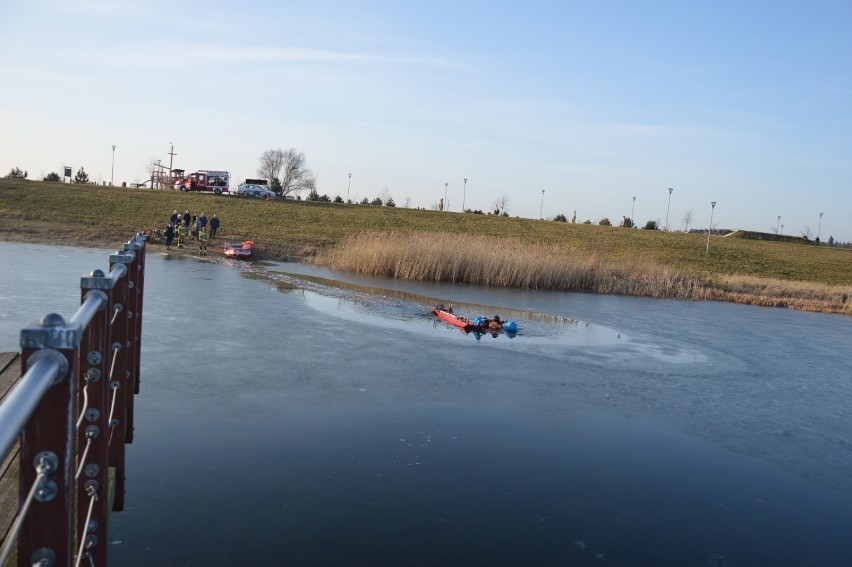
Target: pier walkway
pixel 66 415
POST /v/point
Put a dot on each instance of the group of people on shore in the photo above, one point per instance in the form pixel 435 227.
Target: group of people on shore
pixel 191 227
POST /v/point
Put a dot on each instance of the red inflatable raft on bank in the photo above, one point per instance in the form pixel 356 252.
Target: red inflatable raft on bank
pixel 238 250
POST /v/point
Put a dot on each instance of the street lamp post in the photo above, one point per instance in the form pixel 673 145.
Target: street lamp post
pixel 540 216
pixel 709 228
pixel 820 226
pixel 778 229
pixel 446 205
pixel 347 188
pixel 112 173
pixel 632 210
pixel 667 208
pixel 464 194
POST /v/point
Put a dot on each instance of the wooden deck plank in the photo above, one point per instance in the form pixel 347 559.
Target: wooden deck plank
pixel 10 372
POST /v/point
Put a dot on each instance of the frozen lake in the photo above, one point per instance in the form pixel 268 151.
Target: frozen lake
pixel 283 421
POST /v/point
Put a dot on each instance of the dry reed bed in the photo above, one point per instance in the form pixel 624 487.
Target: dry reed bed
pixel 508 262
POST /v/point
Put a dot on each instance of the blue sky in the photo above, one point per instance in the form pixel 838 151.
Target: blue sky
pixel 745 103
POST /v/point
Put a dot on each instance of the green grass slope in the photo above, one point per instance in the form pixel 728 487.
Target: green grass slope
pixel 88 213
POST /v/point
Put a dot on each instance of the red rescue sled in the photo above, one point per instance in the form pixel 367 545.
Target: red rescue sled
pixel 453 319
pixel 238 250
pixel 478 325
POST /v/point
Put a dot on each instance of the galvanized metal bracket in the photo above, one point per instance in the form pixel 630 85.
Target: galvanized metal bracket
pixel 52 332
pixel 122 257
pixel 135 244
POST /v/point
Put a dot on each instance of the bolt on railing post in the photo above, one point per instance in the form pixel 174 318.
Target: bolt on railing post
pixel 49 524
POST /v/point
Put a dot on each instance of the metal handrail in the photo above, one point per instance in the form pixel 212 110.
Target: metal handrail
pixel 49 368
pixel 95 301
pixel 22 400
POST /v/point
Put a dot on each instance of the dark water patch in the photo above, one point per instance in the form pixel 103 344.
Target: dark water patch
pixel 333 426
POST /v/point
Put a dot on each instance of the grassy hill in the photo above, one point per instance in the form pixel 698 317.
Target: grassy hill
pixel 88 214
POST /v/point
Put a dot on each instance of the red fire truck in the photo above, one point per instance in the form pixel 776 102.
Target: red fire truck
pixel 205 180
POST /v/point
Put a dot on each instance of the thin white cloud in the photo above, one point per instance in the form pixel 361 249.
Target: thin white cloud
pixel 169 53
pixel 643 131
pixel 115 7
pixel 536 106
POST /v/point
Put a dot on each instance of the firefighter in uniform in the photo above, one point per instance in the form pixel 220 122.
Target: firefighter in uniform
pixel 203 237
pixel 183 232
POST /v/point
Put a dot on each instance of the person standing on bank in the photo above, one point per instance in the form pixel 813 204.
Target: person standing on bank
pixel 214 225
pixel 183 232
pixel 203 237
pixel 170 235
pixel 175 218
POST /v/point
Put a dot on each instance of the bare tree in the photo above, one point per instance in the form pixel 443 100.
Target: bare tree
pixel 271 162
pixel 309 183
pixel 151 168
pixel 296 177
pixel 686 219
pixel 501 205
pixel 807 233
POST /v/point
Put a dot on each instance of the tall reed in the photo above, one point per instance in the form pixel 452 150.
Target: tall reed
pixel 509 262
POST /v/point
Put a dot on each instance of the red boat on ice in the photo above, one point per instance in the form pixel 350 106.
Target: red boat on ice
pixel 479 325
pixel 238 250
pixel 448 316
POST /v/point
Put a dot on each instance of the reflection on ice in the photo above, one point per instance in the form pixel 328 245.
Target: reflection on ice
pixel 722 430
pixel 413 317
pixel 540 333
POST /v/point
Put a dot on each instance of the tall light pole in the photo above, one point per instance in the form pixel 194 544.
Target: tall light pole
pixel 778 229
pixel 667 208
pixel 820 226
pixel 464 195
pixel 112 174
pixel 540 217
pixel 446 205
pixel 347 188
pixel 709 228
pixel 632 219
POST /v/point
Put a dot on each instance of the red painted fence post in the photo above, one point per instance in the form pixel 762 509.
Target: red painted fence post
pixel 47 441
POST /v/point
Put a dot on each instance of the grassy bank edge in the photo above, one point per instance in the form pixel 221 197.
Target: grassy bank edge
pixel 761 273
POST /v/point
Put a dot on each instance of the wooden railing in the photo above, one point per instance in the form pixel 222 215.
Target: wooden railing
pixel 72 413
